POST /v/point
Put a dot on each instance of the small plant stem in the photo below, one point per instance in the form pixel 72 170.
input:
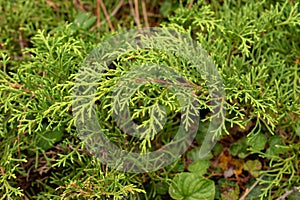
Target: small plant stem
pixel 251 188
pixel 106 15
pixel 288 192
pixel 78 5
pixel 133 13
pixel 190 4
pixel 145 13
pixel 137 15
pixel 114 12
pixel 98 12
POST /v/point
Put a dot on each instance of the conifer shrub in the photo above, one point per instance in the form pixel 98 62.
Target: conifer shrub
pixel 255 47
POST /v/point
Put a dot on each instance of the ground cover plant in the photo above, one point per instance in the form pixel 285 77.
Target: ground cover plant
pixel 255 46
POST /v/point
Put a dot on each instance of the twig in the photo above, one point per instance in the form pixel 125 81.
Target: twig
pixel 145 13
pixel 131 9
pixel 149 14
pixel 21 87
pixel 21 42
pixel 2 171
pixel 190 4
pixel 51 4
pixel 288 192
pixel 117 8
pixel 98 11
pixel 133 12
pixel 114 11
pixel 137 15
pixel 251 188
pixel 106 15
pixel 78 5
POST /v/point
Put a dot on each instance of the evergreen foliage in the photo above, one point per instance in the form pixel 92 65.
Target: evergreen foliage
pixel 255 47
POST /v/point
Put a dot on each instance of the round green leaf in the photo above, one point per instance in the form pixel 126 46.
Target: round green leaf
pixel 253 166
pixel 199 167
pixel 259 142
pixel 239 148
pixel 189 186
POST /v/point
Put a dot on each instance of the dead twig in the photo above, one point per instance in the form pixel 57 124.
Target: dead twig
pixel 288 192
pixel 21 42
pixel 133 13
pixel 145 13
pixel 21 87
pixel 2 171
pixel 149 14
pixel 106 15
pixel 98 12
pixel 190 4
pixel 251 188
pixel 137 14
pixel 113 13
pixel 78 5
pixel 52 4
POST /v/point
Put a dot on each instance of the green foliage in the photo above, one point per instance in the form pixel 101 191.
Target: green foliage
pixel 200 167
pixel 189 186
pixel 253 167
pixel 230 190
pixel 256 48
